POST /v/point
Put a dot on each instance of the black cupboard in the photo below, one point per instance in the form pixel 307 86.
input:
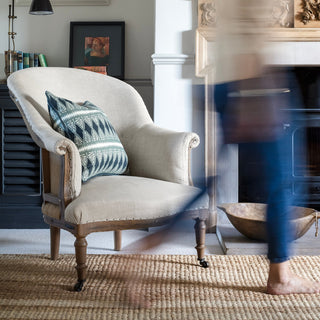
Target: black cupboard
pixel 20 165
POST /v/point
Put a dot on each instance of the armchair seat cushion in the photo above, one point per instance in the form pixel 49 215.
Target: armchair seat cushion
pixel 117 198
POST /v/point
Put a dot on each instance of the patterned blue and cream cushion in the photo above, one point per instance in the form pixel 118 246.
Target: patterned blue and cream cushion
pixel 100 149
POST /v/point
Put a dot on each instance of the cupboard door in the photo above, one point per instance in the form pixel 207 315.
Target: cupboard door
pixel 20 165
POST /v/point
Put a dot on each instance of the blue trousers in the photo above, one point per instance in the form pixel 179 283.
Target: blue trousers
pixel 275 180
pixel 275 160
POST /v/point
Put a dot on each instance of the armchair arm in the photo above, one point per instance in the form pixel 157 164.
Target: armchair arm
pixel 72 169
pixel 162 154
pixel 47 138
pixel 59 146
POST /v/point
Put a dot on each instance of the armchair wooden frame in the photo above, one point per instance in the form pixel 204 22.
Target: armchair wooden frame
pixel 82 230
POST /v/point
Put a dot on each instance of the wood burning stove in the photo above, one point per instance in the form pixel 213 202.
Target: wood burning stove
pixel 303 132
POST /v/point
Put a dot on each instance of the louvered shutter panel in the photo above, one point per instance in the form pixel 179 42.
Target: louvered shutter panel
pixel 20 170
pixel 21 157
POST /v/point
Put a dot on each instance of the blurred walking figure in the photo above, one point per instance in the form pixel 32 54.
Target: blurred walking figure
pixel 250 98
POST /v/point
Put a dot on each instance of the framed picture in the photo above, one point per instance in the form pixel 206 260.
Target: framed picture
pixel 98 46
pixel 68 3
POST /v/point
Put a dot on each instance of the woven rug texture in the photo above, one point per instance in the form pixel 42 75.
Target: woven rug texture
pixel 233 287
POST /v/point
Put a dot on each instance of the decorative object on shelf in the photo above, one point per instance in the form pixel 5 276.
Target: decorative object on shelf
pixel 98 44
pixel 14 60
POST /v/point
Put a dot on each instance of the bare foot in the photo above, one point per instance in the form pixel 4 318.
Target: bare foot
pixel 135 294
pixel 136 298
pixel 282 281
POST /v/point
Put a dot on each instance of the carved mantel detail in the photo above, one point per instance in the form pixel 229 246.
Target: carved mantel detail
pixel 282 14
pixel 207 13
pixel 308 11
pixel 287 17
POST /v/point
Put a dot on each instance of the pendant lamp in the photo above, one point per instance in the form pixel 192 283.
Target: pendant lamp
pixel 41 7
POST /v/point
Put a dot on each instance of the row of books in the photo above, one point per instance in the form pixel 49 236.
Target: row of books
pixel 17 60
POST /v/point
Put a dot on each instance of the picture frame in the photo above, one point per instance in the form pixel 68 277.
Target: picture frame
pixel 98 44
pixel 23 3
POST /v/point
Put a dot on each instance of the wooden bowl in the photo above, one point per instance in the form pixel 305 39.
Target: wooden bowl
pixel 250 219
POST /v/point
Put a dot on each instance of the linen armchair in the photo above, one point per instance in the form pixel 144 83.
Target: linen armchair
pixel 156 187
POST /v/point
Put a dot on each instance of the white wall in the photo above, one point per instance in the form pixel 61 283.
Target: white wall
pixel 177 98
pixel 50 34
pixel 174 63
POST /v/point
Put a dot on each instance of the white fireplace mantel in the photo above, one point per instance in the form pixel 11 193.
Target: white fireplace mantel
pixel 288 46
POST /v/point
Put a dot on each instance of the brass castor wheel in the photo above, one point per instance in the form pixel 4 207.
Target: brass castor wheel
pixel 204 263
pixel 79 285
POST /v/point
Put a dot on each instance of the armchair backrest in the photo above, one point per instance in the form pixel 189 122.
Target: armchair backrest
pixel 153 152
pixel 121 103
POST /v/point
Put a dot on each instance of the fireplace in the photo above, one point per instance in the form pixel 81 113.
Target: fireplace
pixel 305 126
pixel 290 47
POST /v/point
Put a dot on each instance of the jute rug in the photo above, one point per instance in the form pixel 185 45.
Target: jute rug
pixel 34 287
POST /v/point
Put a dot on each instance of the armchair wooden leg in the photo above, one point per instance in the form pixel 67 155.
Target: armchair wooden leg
pixel 54 242
pixel 200 230
pixel 117 240
pixel 81 255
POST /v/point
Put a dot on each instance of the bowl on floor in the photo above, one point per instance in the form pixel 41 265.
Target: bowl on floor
pixel 250 219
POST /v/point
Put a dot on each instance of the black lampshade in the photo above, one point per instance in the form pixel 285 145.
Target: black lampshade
pixel 41 7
